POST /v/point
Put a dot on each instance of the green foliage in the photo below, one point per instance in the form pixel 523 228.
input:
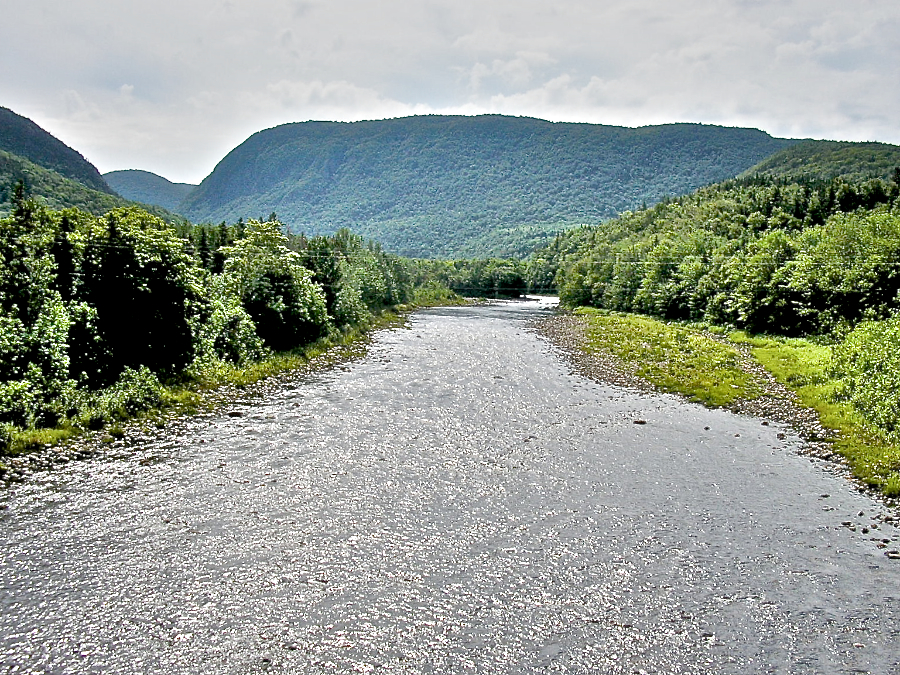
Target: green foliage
pixel 58 192
pixel 357 278
pixel 868 360
pixel 760 254
pixel 440 186
pixel 486 278
pixel 33 321
pixel 142 292
pixel 274 287
pixel 224 330
pixel 134 392
pixel 830 159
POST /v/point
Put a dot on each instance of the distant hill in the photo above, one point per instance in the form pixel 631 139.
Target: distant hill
pixel 146 187
pixel 830 159
pixel 58 192
pixel 452 185
pixel 20 136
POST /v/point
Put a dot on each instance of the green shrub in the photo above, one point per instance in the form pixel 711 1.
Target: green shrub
pixel 134 392
pixel 868 362
pixel 275 288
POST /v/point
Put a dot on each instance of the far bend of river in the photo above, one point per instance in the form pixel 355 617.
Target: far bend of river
pixel 455 502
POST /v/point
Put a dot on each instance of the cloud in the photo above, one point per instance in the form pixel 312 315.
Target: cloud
pixel 172 86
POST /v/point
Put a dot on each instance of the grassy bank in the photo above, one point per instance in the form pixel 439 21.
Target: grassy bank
pixel 675 358
pixel 804 367
pixel 683 359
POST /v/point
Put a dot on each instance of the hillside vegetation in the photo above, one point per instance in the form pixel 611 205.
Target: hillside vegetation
pixel 443 186
pixel 761 254
pixel 20 136
pixel 823 160
pixel 148 188
pixel 56 191
pixel 53 173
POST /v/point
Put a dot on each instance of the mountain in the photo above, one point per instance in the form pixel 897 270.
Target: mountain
pixel 146 187
pixel 54 173
pixel 20 136
pixel 53 189
pixel 58 192
pixel 451 185
pixel 830 159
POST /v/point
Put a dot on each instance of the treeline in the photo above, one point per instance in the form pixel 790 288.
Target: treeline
pixel 769 256
pixel 98 313
pixel 807 258
pixel 485 278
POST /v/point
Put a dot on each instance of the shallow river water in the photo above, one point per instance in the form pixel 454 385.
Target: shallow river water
pixel 457 501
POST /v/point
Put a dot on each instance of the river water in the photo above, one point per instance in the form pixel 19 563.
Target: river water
pixel 457 501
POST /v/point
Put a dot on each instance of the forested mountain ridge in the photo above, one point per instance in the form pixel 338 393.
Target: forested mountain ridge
pixel 430 185
pixel 823 160
pixel 54 190
pixel 20 136
pixel 148 188
pixel 58 192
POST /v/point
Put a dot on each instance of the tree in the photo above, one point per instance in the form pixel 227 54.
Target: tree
pixel 274 287
pixel 34 322
pixel 142 292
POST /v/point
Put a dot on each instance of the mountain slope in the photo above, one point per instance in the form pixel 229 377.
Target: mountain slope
pixel 830 159
pixel 428 186
pixel 20 136
pixel 149 188
pixel 58 192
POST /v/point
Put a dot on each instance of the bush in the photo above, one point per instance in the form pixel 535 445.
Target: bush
pixel 275 288
pixel 134 392
pixel 868 362
pixel 225 330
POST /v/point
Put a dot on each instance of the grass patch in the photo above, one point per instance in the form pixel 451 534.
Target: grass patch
pixel 26 440
pixel 675 358
pixel 804 367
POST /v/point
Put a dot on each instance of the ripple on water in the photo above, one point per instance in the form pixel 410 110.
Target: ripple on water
pixel 456 501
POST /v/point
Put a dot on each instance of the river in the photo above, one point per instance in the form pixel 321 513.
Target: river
pixel 457 501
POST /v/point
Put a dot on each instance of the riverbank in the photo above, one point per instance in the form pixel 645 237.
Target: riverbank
pixel 455 501
pixel 783 381
pixel 42 449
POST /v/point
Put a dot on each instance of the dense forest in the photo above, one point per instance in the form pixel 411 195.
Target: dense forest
pixel 824 160
pixel 97 313
pixel 439 186
pixel 58 192
pixel 791 258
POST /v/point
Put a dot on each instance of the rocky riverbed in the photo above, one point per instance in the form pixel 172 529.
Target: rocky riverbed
pixel 458 500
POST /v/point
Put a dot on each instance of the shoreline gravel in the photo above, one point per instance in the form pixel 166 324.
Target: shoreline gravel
pixel 778 404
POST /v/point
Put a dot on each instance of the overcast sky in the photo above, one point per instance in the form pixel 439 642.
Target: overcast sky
pixel 172 86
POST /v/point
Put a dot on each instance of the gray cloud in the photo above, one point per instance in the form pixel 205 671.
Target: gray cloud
pixel 172 86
